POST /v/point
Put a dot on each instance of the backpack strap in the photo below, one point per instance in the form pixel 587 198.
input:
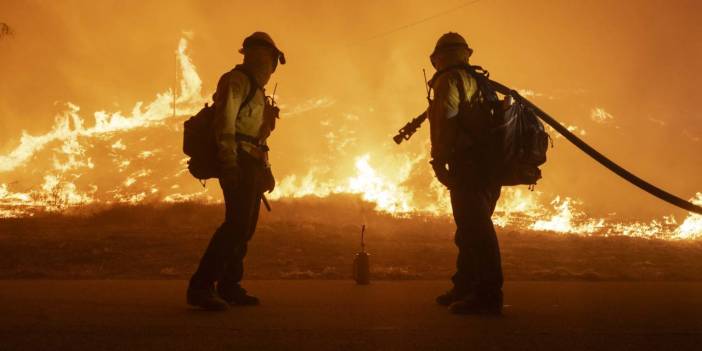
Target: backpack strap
pixel 253 86
pixel 471 70
pixel 462 91
pixel 482 76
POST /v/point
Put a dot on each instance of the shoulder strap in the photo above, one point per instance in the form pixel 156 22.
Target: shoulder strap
pixel 462 91
pixel 253 86
pixel 482 77
pixel 461 87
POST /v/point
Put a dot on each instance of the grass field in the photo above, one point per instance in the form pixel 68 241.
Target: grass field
pixel 314 239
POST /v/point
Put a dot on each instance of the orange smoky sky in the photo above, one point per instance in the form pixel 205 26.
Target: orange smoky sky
pixel 624 75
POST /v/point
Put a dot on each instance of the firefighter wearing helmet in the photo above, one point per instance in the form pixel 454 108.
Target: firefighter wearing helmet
pixel 460 165
pixel 243 119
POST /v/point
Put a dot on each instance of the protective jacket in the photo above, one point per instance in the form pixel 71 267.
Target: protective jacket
pixel 452 87
pixel 236 125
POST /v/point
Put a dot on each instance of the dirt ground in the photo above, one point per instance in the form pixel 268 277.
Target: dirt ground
pixel 314 240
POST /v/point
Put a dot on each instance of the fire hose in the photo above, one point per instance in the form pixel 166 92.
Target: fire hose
pixel 413 125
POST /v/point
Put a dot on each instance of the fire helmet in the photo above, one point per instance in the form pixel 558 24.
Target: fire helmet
pixel 451 40
pixel 262 39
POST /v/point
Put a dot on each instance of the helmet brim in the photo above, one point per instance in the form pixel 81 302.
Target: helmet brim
pixel 440 48
pixel 281 55
pixel 252 42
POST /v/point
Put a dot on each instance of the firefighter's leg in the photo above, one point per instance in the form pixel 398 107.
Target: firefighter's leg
pixel 478 266
pixel 482 239
pixel 233 233
pixel 246 212
pixel 234 268
pixel 201 291
pixel 464 280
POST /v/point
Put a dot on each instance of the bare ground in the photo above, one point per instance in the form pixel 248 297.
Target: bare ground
pixel 314 239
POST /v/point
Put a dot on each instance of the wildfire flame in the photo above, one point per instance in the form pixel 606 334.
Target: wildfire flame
pixel 143 168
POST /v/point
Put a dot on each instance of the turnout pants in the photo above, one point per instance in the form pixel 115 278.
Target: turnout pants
pixel 478 267
pixel 223 261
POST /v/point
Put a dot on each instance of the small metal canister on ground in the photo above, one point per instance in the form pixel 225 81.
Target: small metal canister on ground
pixel 361 268
pixel 361 263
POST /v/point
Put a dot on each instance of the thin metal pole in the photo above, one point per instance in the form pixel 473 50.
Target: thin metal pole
pixel 175 86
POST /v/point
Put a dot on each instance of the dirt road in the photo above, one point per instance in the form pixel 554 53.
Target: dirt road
pixel 337 315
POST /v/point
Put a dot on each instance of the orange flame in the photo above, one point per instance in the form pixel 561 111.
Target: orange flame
pixel 125 140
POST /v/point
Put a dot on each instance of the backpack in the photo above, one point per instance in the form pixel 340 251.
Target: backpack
pixel 199 138
pixel 520 145
pixel 515 143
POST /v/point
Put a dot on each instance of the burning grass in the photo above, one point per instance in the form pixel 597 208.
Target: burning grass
pixel 135 158
pixel 314 238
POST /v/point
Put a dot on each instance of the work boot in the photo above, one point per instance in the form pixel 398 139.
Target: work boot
pixel 471 304
pixel 206 298
pixel 448 297
pixel 236 295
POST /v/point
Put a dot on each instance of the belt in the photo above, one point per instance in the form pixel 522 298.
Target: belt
pixel 253 141
pixel 249 139
pixel 253 146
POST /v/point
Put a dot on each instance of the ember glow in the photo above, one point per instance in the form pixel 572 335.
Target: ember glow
pixel 135 158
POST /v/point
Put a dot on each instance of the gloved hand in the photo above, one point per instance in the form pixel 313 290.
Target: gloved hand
pixel 230 175
pixel 443 174
pixel 268 182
